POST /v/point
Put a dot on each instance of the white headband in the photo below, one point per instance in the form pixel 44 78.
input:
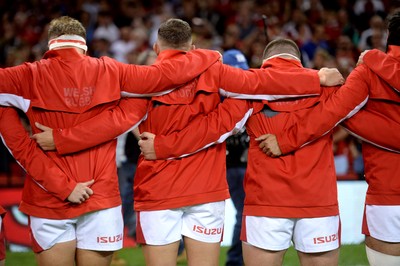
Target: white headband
pixel 68 40
pixel 282 54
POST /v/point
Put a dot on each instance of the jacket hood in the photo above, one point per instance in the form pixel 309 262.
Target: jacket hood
pixel 386 66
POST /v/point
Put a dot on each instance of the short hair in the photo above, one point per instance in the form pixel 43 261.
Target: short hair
pixel 394 29
pixel 175 33
pixel 65 26
pixel 279 46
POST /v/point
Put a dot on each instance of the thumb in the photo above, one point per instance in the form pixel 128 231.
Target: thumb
pixel 88 183
pixel 145 135
pixel 42 127
pixel 262 137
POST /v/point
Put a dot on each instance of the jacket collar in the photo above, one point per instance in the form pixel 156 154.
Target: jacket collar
pixel 166 54
pixel 282 63
pixel 65 53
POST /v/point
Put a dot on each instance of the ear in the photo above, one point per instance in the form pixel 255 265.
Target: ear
pixel 156 48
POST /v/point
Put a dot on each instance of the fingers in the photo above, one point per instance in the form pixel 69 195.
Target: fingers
pixel 262 137
pixel 88 183
pixel 144 135
pixel 42 127
pixel 89 191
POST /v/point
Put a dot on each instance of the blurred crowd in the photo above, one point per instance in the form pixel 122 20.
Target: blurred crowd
pixel 329 33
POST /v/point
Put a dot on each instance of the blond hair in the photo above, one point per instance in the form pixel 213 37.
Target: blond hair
pixel 65 26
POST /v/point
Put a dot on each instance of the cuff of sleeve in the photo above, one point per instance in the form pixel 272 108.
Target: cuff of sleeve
pixel 283 145
pixel 59 141
pixel 158 147
pixel 317 84
pixel 67 191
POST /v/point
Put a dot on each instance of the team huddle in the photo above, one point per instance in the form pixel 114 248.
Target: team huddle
pixel 83 104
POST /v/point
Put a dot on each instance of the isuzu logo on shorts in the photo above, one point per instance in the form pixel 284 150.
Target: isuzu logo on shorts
pixel 109 239
pixel 207 231
pixel 325 239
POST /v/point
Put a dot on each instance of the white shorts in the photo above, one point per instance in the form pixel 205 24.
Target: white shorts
pixel 99 230
pixel 308 235
pixel 382 222
pixel 204 222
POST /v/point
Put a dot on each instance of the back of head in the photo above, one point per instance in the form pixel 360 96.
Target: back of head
pixel 175 34
pixel 394 29
pixel 65 26
pixel 282 47
pixel 66 32
pixel 235 58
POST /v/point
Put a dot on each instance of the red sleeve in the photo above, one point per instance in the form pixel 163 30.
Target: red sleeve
pixel 147 80
pixel 376 128
pixel 268 83
pixel 226 120
pixel 12 78
pixel 101 128
pixel 42 169
pixel 331 110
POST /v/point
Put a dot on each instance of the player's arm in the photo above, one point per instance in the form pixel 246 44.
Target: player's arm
pixel 41 168
pixel 11 87
pixel 214 128
pixel 159 78
pixel 376 128
pixel 330 111
pixel 273 84
pixel 99 129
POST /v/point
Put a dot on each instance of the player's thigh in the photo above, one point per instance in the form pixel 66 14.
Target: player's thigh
pixel 388 248
pixel 61 254
pixel 158 228
pixel 86 257
pixel 201 253
pixel 328 258
pixel 266 239
pixel 255 256
pixel 161 255
pixel 100 230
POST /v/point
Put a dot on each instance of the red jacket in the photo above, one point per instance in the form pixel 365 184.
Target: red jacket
pixel 382 167
pixel 66 88
pixel 171 184
pixel 300 184
pixel 200 178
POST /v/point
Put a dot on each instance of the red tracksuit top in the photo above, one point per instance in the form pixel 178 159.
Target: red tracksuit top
pixel 200 178
pixel 66 88
pixel 301 183
pixel 382 167
pixel 195 179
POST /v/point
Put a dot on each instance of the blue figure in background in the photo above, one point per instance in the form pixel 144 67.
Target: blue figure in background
pixel 236 161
